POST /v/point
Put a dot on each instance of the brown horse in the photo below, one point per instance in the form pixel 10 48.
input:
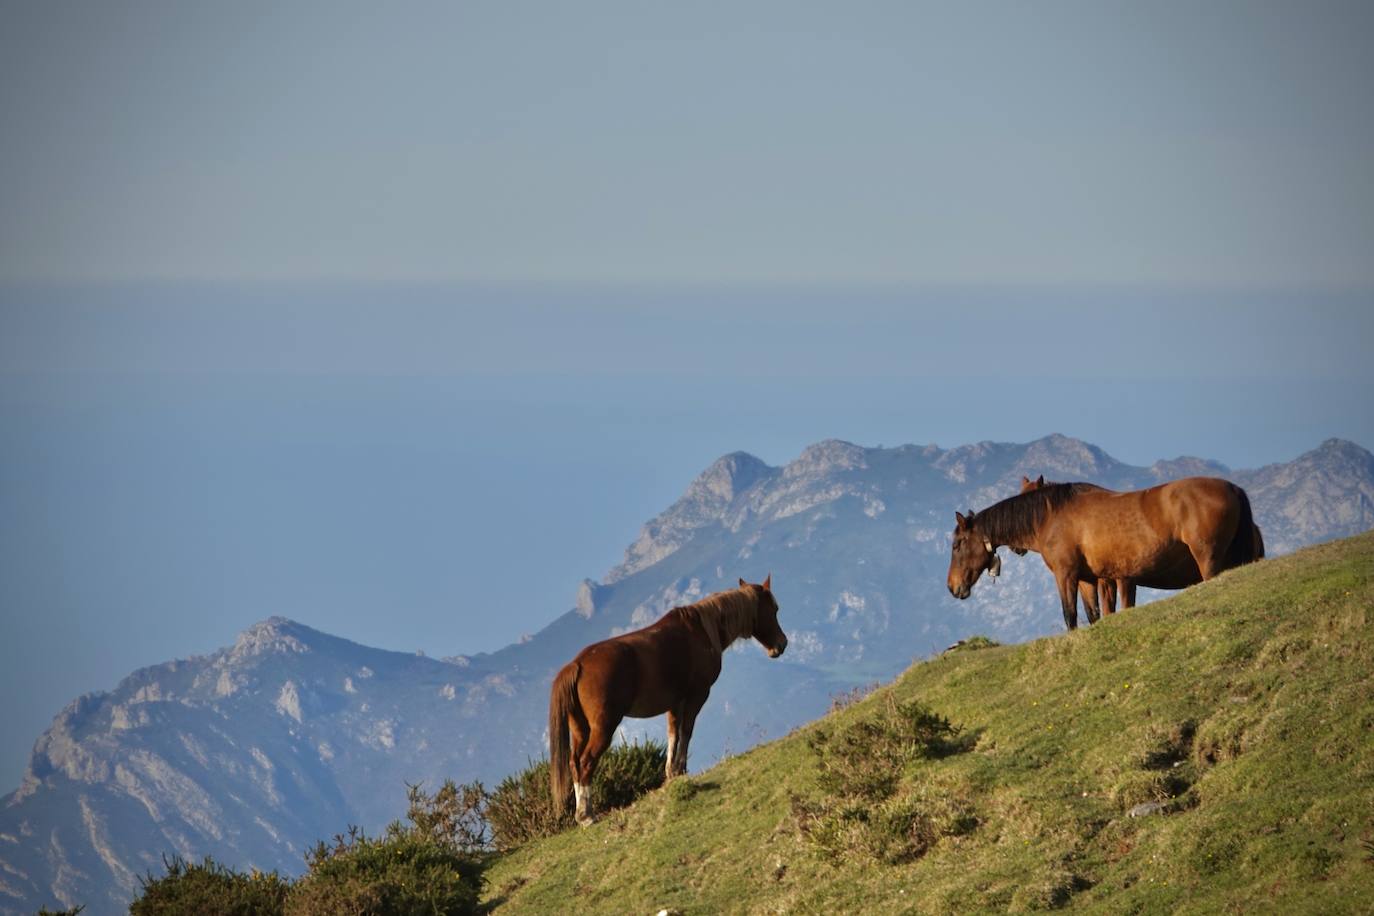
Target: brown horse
pixel 669 666
pixel 1126 587
pixel 1169 536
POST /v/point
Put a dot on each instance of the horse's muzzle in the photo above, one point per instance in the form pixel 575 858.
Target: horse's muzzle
pixel 777 650
pixel 962 592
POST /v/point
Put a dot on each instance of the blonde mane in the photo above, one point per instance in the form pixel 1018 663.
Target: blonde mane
pixel 726 616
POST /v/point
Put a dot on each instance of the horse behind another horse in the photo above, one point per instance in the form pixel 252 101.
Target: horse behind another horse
pixel 668 666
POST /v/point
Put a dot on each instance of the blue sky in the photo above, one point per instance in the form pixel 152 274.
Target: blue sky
pixel 402 323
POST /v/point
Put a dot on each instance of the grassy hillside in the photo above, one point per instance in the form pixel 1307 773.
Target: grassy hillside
pixel 1246 705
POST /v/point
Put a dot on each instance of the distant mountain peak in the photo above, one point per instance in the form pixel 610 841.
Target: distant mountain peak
pixel 727 477
pixel 1342 448
pixel 827 457
pixel 1073 456
pixel 706 502
pixel 273 635
pixel 1187 466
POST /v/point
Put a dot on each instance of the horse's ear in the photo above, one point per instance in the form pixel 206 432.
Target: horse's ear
pixel 742 583
pixel 1040 481
pixel 959 520
pixel 1024 480
pixel 768 583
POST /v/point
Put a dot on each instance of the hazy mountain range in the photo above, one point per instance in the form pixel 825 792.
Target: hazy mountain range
pixel 252 753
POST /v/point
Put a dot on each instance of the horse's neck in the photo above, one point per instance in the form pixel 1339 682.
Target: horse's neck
pixel 1016 540
pixel 724 623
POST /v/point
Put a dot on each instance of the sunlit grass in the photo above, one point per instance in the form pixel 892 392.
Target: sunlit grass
pixel 1244 707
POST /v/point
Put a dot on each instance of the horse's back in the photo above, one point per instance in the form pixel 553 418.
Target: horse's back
pixel 640 672
pixel 1144 534
pixel 1203 508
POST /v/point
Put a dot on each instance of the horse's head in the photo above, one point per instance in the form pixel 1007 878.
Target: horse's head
pixel 971 554
pixel 766 628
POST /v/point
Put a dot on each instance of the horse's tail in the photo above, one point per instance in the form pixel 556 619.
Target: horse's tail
pixel 562 703
pixel 1246 545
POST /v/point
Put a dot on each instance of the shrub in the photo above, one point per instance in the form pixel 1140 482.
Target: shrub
pixel 973 643
pixel 866 759
pixel 870 807
pixel 404 871
pixel 210 889
pixel 628 772
pixel 433 864
pixel 847 698
pixel 455 815
pixel 519 811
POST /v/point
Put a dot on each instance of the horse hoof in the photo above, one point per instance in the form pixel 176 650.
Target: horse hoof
pixel 586 821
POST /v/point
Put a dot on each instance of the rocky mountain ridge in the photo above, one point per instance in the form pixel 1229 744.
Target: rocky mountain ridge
pixel 255 751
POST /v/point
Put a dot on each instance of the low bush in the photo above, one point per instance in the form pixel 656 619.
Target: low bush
pixel 210 889
pixel 455 815
pixel 866 759
pixel 518 811
pixel 872 806
pixel 403 871
pixel 432 863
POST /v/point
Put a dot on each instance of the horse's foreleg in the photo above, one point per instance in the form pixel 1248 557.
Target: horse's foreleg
pixel 1106 593
pixel 1068 597
pixel 686 721
pixel 674 737
pixel 1089 592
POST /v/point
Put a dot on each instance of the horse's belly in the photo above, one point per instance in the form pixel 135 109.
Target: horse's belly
pixel 648 706
pixel 1144 558
pixel 1180 573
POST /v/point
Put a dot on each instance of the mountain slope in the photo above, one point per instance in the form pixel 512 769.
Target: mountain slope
pixel 254 752
pixel 1246 704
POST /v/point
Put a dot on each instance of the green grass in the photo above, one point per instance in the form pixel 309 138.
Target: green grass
pixel 1246 704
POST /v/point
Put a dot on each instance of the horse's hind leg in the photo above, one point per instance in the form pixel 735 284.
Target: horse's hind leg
pixel 1210 558
pixel 578 734
pixel 600 731
pixel 1126 588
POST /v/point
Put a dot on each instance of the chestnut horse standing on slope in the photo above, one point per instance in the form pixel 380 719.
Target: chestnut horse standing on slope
pixel 1169 536
pixel 669 666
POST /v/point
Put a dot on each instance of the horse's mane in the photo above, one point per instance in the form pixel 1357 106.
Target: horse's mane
pixel 1018 517
pixel 725 616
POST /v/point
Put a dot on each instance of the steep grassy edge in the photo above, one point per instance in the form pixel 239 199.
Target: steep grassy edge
pixel 1249 699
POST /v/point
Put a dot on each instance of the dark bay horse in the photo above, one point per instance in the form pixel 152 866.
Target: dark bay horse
pixel 669 666
pixel 1170 536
